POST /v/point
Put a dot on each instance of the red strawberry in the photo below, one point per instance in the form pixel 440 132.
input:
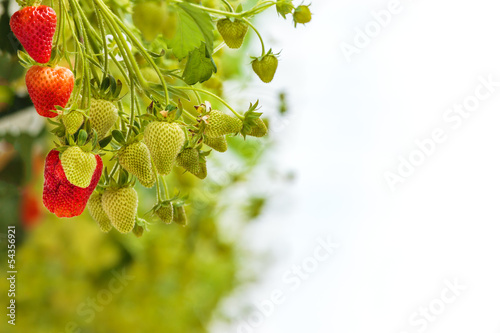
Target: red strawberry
pixel 59 195
pixel 49 87
pixel 35 26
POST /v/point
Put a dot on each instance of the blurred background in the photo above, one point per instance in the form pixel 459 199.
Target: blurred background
pixel 339 222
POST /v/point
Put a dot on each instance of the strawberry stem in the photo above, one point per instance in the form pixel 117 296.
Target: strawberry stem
pixel 258 35
pixel 214 96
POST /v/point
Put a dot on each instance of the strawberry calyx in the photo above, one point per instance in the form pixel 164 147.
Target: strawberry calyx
pixel 250 119
pixel 29 3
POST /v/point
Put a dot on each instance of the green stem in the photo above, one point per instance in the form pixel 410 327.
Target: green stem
pixel 165 187
pixel 121 42
pixel 141 49
pixel 258 34
pixel 132 106
pixel 228 5
pixel 214 96
pixel 115 167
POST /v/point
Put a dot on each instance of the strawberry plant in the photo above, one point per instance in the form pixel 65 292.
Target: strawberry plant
pixel 125 88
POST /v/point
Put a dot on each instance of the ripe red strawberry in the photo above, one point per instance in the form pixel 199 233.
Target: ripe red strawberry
pixel 35 26
pixel 59 195
pixel 49 87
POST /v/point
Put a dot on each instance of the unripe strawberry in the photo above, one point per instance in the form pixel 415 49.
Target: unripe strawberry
pixel 189 159
pixel 165 213
pixel 165 141
pixel 78 166
pixel 219 124
pixel 136 159
pixel 233 33
pixel 260 129
pixel 103 115
pixel 138 230
pixel 219 143
pixel 302 14
pixel 180 215
pixel 49 87
pixel 34 27
pixel 265 67
pixel 59 195
pixel 72 121
pixel 120 206
pixel 97 212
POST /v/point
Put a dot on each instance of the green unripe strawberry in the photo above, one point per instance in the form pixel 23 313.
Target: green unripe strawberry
pixel 95 209
pixel 136 159
pixel 260 129
pixel 219 124
pixel 171 23
pixel 180 215
pixel 103 115
pixel 138 230
pixel 149 17
pixel 165 141
pixel 72 121
pixel 265 67
pixel 121 207
pixel 189 159
pixel 219 144
pixel 165 213
pixel 302 14
pixel 233 33
pixel 78 166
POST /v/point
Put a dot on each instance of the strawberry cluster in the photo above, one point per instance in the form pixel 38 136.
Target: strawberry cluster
pixel 144 146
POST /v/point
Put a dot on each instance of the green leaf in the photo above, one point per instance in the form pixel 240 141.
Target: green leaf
pixel 118 136
pixel 194 26
pixel 199 67
pixel 104 142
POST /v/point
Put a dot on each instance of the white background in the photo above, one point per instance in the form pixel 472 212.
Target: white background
pixel 350 122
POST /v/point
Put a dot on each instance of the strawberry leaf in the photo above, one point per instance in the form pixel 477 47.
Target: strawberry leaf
pixel 200 66
pixel 195 26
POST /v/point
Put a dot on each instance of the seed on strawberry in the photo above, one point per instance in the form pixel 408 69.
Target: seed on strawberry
pixel 95 209
pixel 34 27
pixel 103 115
pixel 260 129
pixel 136 159
pixel 72 121
pixel 265 67
pixel 59 195
pixel 78 166
pixel 120 205
pixel 189 159
pixel 219 143
pixel 233 33
pixel 165 212
pixel 219 124
pixel 203 169
pixel 165 141
pixel 49 87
